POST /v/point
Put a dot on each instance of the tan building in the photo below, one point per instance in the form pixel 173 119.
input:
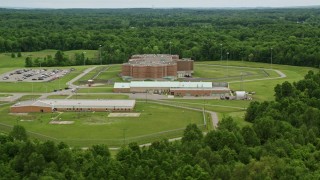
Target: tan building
pixel 174 88
pixel 64 105
pixel 156 66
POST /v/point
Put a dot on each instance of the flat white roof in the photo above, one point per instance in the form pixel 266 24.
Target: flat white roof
pixel 81 103
pixel 121 85
pixel 164 84
pixel 197 89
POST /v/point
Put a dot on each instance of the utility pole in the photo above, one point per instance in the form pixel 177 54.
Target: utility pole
pixel 221 52
pixel 170 47
pixel 228 64
pixel 100 54
pixel 84 58
pixel 124 136
pixel 271 57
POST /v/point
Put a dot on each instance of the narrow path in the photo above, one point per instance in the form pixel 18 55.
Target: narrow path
pixel 70 83
pixel 214 117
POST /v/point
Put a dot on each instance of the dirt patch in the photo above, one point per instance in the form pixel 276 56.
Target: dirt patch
pixel 23 120
pixel 61 122
pixel 97 84
pixel 124 115
pixel 19 114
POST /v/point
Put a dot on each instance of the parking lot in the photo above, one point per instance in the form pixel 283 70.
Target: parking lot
pixel 34 75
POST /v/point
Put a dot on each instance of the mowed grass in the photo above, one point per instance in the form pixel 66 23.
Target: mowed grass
pixel 223 108
pixel 29 97
pixel 5 95
pixel 91 128
pixel 99 96
pixel 96 90
pixel 217 73
pixel 57 96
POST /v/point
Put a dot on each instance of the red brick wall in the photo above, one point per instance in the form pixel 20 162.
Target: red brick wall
pixel 121 90
pixel 185 65
pixel 27 109
pixel 126 70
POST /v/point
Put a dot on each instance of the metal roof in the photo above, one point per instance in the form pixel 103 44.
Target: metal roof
pixel 170 84
pixel 63 103
pixel 121 85
pixel 209 89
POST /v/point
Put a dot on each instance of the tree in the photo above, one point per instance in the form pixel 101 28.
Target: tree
pixel 192 133
pixel 100 150
pixel 19 133
pixel 28 62
pixel 228 124
pixel 19 54
pixel 59 58
pixel 13 55
pixel 252 111
pixel 250 137
pixel 265 128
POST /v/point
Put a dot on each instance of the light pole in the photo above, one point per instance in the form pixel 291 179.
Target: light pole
pixel 170 47
pixel 271 57
pixel 100 54
pixel 146 96
pixel 228 64
pixel 84 58
pixel 221 52
pixel 124 136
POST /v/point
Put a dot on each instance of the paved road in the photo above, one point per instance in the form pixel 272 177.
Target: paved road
pixel 70 83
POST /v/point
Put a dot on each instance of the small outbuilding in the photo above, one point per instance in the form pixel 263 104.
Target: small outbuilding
pixel 240 95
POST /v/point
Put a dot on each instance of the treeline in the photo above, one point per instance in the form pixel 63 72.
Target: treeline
pixel 59 59
pixel 290 36
pixel 283 142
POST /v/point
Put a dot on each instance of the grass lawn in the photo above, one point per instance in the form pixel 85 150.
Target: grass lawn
pixel 99 96
pixel 223 108
pixel 57 96
pixel 231 73
pixel 28 97
pixel 5 95
pixel 96 90
pixel 155 122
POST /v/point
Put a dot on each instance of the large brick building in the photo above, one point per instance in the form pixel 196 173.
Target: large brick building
pixel 156 66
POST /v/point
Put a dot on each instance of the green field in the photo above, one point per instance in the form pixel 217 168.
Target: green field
pixel 57 96
pixel 96 90
pixel 5 95
pixel 28 97
pixel 217 73
pixel 99 96
pixel 155 121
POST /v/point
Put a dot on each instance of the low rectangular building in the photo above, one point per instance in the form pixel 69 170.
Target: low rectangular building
pixel 174 88
pixel 63 105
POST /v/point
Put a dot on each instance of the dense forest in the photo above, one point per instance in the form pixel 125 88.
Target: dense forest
pixel 289 36
pixel 282 143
